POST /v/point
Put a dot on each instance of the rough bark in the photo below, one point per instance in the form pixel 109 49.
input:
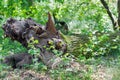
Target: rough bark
pixel 26 31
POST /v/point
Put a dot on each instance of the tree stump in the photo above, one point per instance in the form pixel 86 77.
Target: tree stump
pixel 26 31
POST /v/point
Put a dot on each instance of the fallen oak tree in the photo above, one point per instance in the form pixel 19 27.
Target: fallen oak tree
pixel 26 31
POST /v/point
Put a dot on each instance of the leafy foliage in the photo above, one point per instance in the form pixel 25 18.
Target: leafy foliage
pixel 97 44
pixel 86 18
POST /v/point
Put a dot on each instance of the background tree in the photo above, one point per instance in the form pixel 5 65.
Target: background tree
pixel 116 25
pixel 118 7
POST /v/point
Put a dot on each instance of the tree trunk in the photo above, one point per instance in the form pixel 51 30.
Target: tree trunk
pixel 109 13
pixel 118 7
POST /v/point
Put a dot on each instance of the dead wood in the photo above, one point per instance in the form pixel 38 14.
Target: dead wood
pixel 26 31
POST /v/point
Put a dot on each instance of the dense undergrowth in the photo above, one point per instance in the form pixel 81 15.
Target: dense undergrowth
pixel 87 19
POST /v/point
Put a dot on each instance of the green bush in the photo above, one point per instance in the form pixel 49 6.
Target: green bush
pixel 97 44
pixel 85 17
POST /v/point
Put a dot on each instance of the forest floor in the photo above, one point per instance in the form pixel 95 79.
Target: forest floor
pixel 107 69
pixel 104 70
pixel 97 68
